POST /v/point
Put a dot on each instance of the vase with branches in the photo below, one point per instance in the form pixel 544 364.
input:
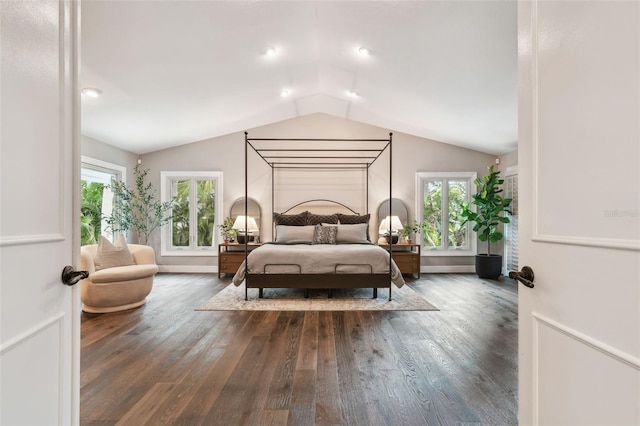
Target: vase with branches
pixel 137 209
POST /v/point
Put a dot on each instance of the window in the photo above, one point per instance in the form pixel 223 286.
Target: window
pixel 441 196
pixel 197 198
pixel 511 228
pixel 96 197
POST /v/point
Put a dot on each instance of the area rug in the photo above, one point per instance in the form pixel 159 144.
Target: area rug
pixel 231 298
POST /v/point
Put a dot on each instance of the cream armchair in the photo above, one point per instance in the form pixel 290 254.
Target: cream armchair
pixel 118 288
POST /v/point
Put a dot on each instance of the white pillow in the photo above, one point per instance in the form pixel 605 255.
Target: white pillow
pixel 356 233
pixel 294 234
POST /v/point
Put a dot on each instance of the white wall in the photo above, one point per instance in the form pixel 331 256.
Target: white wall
pixel 226 153
pixel 507 160
pixel 102 151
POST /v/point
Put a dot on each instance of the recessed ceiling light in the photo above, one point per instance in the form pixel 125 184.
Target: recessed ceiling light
pixel 284 93
pixel 364 51
pixel 352 94
pixel 92 92
pixel 270 51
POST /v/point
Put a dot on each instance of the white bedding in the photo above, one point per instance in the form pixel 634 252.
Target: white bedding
pixel 319 259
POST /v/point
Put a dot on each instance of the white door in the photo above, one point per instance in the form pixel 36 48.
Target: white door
pixel 39 316
pixel 579 180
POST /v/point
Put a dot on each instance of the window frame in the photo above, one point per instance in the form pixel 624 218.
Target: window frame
pixel 166 177
pixel 118 173
pixel 421 179
pixel 511 229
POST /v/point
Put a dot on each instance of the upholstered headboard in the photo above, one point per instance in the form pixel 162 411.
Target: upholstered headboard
pixel 320 207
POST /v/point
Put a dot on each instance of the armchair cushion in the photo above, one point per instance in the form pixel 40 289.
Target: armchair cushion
pixel 123 273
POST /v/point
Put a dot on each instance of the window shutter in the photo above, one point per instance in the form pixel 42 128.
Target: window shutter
pixel 511 229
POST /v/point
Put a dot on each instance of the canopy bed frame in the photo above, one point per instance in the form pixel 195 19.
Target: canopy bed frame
pixel 308 155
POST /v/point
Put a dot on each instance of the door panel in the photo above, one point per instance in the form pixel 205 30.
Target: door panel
pixel 587 108
pixel 579 194
pixel 39 316
pixel 567 363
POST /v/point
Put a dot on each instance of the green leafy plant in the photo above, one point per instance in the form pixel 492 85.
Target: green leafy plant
pixel 490 206
pixel 90 211
pixel 407 229
pixel 226 228
pixel 137 209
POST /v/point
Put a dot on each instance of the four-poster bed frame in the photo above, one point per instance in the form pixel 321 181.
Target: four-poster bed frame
pixel 313 156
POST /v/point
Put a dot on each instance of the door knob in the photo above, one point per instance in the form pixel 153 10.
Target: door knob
pixel 525 276
pixel 70 276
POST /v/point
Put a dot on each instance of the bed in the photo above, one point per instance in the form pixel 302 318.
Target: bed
pixel 319 244
pixel 323 255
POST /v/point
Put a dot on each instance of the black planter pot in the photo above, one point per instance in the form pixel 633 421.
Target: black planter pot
pixel 489 266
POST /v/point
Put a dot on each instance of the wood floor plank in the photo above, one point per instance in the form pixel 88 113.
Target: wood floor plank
pixel 303 399
pixel 165 363
pixel 215 380
pixel 279 396
pixel 423 386
pixel 308 353
pixel 266 370
pixel 328 406
pixel 149 359
pixel 350 380
pixel 274 417
pixel 141 412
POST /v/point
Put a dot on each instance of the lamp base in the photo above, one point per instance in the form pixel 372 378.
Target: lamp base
pixel 243 240
pixel 393 239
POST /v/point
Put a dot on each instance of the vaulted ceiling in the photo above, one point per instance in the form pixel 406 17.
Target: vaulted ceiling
pixel 175 72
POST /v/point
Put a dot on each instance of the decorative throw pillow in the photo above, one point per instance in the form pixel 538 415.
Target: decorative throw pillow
pixel 111 255
pixel 325 234
pixel 290 219
pixel 356 233
pixel 294 234
pixel 315 219
pixel 354 219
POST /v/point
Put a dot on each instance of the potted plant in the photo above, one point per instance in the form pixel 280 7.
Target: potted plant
pixel 407 230
pixel 226 230
pixel 488 215
pixel 137 209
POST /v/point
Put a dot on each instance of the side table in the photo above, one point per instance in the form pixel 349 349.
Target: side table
pixel 231 255
pixel 406 256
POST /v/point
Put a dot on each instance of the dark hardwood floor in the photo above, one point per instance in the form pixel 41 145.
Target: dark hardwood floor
pixel 165 363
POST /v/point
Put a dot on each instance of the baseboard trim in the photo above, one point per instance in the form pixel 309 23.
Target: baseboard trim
pixel 188 269
pixel 449 269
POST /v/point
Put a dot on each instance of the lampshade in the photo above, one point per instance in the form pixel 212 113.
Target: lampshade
pixel 245 222
pixel 395 224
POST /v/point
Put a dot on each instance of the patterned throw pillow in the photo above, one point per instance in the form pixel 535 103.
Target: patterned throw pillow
pixel 350 219
pixel 290 219
pixel 315 219
pixel 112 255
pixel 325 234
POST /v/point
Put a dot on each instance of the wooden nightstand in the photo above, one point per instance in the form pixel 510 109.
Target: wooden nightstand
pixel 407 257
pixel 231 256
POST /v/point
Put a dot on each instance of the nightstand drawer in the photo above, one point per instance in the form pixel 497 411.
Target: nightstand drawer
pixel 407 264
pixel 229 267
pixel 407 257
pixel 231 256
